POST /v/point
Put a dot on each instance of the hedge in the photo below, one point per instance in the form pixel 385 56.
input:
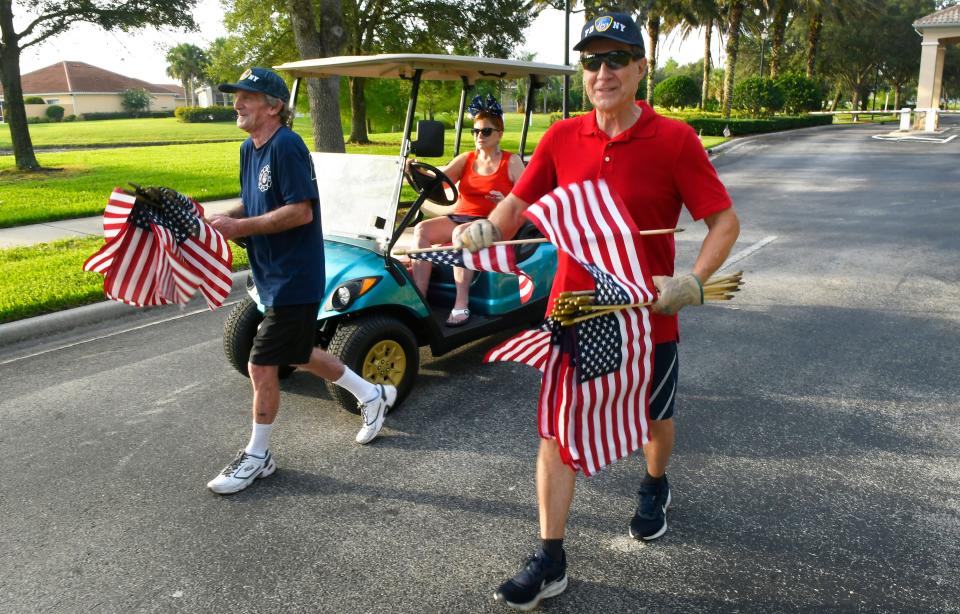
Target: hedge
pixel 193 115
pixel 34 100
pixel 713 126
pixel 54 112
pixel 123 115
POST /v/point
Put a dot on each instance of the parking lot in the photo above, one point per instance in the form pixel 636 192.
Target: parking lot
pixel 816 466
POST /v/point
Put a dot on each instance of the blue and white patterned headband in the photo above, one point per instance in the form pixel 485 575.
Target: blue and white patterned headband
pixel 490 106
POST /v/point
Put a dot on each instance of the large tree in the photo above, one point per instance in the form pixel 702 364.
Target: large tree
pixel 431 26
pixel 320 34
pixel 188 63
pixel 47 18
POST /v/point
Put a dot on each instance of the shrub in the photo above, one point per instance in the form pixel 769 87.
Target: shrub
pixel 800 93
pixel 54 112
pixel 70 118
pixel 122 115
pixel 558 115
pixel 194 115
pixel 758 95
pixel 135 100
pixel 713 126
pixel 679 91
pixel 34 100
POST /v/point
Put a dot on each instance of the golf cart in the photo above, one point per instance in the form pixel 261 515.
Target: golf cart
pixel 373 318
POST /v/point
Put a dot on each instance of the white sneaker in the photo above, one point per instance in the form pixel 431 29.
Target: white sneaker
pixel 374 411
pixel 241 473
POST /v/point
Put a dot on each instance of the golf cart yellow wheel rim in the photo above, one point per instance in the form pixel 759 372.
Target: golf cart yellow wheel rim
pixel 385 363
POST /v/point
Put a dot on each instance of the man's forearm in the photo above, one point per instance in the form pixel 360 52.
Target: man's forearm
pixel 508 215
pixel 724 228
pixel 278 220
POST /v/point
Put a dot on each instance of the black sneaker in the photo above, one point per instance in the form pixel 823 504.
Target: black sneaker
pixel 650 520
pixel 540 578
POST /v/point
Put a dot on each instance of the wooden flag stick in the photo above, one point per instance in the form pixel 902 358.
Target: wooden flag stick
pixel 448 248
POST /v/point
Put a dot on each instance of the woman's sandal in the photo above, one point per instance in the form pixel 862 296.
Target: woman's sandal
pixel 458 317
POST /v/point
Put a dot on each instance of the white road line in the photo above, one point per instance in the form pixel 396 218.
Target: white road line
pixel 113 334
pixel 746 252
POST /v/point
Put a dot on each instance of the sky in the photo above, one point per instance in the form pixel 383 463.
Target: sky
pixel 141 54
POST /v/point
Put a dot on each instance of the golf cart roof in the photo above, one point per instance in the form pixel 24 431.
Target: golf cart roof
pixel 435 67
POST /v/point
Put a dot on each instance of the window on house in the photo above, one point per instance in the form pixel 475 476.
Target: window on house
pixel 53 101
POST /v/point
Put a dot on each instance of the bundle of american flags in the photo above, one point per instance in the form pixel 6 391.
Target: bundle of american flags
pixel 596 373
pixel 159 250
pixel 498 258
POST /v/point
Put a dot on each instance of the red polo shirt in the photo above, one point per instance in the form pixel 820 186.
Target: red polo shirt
pixel 656 166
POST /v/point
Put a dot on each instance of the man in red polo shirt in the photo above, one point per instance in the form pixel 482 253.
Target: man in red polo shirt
pixel 656 165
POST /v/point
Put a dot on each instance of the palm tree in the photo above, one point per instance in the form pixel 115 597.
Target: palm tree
pixel 187 63
pixel 735 10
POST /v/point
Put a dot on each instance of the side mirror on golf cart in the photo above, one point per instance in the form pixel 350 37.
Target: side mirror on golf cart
pixel 429 143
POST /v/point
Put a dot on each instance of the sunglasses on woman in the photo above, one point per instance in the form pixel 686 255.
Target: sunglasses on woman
pixel 483 131
pixel 613 59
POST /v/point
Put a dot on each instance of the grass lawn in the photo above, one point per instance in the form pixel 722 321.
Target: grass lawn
pixel 125 131
pixel 49 277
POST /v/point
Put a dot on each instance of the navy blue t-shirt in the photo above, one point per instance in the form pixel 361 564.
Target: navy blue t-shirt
pixel 287 266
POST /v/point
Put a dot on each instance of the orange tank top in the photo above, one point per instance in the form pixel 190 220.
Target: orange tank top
pixel 475 189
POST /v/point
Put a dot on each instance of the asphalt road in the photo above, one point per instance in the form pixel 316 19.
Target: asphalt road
pixel 816 467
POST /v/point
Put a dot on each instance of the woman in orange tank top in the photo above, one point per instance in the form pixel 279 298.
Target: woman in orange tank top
pixel 485 176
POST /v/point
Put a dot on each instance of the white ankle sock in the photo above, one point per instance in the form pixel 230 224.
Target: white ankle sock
pixel 356 385
pixel 259 440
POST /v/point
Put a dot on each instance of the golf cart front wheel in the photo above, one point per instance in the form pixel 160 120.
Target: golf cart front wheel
pixel 238 332
pixel 381 349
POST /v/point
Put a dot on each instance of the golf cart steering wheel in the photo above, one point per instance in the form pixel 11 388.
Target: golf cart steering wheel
pixel 434 186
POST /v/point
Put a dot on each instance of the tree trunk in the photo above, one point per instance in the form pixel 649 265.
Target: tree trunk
pixel 735 17
pixel 324 94
pixel 15 113
pixel 707 36
pixel 358 111
pixel 836 99
pixel 653 31
pixel 780 14
pixel 896 96
pixel 814 27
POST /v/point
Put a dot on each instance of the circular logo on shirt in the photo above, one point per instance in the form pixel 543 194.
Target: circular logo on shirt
pixel 264 181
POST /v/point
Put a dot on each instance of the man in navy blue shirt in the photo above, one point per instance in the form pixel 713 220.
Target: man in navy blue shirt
pixel 280 216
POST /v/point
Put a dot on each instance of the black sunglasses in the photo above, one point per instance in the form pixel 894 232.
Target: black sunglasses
pixel 483 131
pixel 613 59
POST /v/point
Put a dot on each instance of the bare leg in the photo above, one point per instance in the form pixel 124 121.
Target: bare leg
pixel 658 450
pixel 324 365
pixel 462 277
pixel 425 234
pixel 266 392
pixel 555 484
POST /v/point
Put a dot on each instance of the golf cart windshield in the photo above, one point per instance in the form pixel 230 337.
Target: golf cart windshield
pixel 359 195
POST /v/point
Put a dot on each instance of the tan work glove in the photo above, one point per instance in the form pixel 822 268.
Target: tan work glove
pixel 476 235
pixel 677 292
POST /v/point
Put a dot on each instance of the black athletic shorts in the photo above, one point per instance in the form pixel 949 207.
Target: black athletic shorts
pixel 286 335
pixel 463 219
pixel 663 391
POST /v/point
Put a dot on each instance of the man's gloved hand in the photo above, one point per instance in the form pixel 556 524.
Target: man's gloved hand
pixel 677 292
pixel 476 235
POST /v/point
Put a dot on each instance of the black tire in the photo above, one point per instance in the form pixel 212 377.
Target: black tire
pixel 238 332
pixel 379 348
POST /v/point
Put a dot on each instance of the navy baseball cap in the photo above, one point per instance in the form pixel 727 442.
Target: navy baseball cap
pixel 259 80
pixel 614 26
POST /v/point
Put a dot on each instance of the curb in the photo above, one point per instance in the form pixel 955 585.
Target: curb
pixel 743 140
pixel 68 319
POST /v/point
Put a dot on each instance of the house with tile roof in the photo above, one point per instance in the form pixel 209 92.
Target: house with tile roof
pixel 81 88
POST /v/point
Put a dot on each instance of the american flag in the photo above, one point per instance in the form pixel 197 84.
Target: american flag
pixel 596 374
pixel 158 256
pixel 499 259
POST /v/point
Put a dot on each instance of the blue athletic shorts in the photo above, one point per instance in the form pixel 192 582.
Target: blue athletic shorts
pixel 663 392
